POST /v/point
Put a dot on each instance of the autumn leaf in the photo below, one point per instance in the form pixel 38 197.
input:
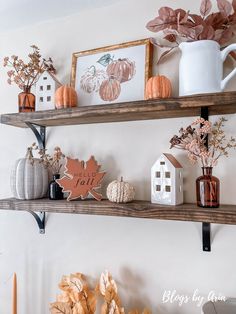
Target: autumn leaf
pixel 167 19
pixel 91 301
pixel 64 284
pixel 72 283
pixel 64 297
pixel 105 282
pixel 165 53
pixel 78 309
pixel 170 37
pixel 113 308
pixel 205 7
pixel 81 178
pixel 226 35
pixel 60 308
pixel 216 20
pixel 207 33
pixel 75 283
pixel 225 7
pixel 196 19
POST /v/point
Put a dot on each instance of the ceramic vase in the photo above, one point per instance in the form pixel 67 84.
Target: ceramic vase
pixel 201 67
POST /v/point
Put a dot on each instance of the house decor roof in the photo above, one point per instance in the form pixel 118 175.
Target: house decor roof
pixel 52 76
pixel 173 160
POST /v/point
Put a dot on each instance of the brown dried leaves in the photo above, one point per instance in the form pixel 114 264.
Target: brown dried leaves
pixel 77 298
pixel 23 74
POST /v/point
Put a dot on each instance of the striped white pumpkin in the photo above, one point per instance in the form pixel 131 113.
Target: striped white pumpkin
pixel 120 192
pixel 29 181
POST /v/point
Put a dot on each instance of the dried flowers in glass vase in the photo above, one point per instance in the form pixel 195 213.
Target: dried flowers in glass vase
pixel 54 164
pixel 25 75
pixel 179 25
pixel 78 298
pixel 205 143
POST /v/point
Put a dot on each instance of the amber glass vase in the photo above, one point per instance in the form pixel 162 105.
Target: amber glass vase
pixel 208 189
pixel 26 101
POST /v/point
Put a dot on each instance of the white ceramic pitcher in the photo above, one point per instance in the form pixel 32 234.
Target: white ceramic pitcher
pixel 201 67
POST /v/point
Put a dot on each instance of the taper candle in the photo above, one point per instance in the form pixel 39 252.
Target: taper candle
pixel 14 295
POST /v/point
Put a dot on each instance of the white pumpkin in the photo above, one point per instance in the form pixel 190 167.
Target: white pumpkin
pixel 29 179
pixel 120 192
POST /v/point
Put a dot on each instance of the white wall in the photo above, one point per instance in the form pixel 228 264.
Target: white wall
pixel 145 256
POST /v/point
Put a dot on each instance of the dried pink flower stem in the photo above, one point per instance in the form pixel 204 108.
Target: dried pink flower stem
pixel 193 140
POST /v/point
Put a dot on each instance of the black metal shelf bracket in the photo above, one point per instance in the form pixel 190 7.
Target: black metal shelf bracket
pixel 206 227
pixel 40 134
pixel 206 237
pixel 40 219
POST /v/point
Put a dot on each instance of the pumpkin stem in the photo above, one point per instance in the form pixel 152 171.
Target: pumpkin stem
pixel 121 179
pixel 29 153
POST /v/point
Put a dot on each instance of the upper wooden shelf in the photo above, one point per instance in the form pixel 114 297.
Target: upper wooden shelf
pixel 225 214
pixel 219 103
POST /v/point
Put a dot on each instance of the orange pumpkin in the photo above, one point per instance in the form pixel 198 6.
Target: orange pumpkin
pixel 110 89
pixel 158 87
pixel 122 69
pixel 65 97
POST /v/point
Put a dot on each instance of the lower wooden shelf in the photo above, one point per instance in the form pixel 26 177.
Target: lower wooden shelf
pixel 225 214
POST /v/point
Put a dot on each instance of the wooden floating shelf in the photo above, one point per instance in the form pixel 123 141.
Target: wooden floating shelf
pixel 225 214
pixel 218 103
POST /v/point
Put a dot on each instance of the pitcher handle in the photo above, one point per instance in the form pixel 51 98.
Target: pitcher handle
pixel 224 54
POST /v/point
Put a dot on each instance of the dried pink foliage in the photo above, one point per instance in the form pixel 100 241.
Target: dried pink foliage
pixel 180 25
pixel 205 7
pixel 225 7
pixel 193 140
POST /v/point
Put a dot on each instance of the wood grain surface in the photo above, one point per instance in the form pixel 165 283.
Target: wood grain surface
pixel 225 214
pixel 219 103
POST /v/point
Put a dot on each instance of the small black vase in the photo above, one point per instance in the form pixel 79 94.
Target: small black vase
pixel 55 191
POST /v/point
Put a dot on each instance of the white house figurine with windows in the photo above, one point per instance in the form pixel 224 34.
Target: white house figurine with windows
pixel 45 91
pixel 167 181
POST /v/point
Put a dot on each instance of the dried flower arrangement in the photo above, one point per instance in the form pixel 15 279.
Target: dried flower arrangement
pixel 78 298
pixel 193 139
pixel 180 25
pixel 53 162
pixel 25 75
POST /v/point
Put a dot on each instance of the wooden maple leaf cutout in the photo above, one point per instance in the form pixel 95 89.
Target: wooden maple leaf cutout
pixel 81 179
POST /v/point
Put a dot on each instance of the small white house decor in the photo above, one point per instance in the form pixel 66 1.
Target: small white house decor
pixel 167 181
pixel 45 90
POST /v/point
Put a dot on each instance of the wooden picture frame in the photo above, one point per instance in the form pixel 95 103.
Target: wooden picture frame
pixel 112 74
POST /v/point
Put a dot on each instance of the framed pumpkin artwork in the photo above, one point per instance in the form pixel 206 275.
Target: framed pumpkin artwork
pixel 112 74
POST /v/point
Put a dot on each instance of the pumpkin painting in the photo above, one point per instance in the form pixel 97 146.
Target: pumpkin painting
pixel 158 87
pixel 65 97
pixel 122 69
pixel 110 89
pixel 91 80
